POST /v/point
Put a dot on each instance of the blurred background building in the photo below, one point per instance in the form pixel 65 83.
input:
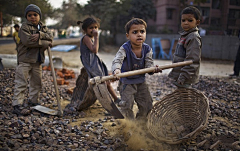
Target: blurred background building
pixel 219 17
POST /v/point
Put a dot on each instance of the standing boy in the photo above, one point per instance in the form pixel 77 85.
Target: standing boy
pixel 188 48
pixel 15 35
pixel 35 39
pixel 134 55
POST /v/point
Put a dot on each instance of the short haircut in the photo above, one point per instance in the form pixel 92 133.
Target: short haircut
pixel 192 10
pixel 134 21
pixel 16 25
pixel 89 21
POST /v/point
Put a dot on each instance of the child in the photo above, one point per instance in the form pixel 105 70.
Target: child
pixel 15 35
pixel 188 48
pixel 35 39
pixel 134 55
pixel 89 48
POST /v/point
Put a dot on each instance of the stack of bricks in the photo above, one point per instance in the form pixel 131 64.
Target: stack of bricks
pixel 62 75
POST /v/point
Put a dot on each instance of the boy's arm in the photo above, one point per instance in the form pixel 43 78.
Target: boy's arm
pixel 46 35
pixel 25 36
pixel 193 52
pixel 118 59
pixel 149 59
pixel 14 37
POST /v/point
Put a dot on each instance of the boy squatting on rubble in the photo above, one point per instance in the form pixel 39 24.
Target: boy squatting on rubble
pixel 35 38
pixel 188 48
pixel 134 55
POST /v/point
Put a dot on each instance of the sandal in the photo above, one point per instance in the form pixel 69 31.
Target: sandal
pixel 30 103
pixel 19 110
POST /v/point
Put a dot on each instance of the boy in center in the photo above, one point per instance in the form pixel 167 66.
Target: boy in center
pixel 134 55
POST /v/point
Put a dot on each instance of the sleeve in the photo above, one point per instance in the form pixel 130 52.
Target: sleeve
pixel 118 59
pixel 25 34
pixel 149 59
pixel 46 35
pixel 193 52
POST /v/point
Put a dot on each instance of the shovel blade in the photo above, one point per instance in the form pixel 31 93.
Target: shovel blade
pixel 105 99
pixel 45 110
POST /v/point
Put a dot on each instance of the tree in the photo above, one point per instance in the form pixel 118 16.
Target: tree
pixel 142 9
pixel 16 8
pixel 69 14
pixel 114 14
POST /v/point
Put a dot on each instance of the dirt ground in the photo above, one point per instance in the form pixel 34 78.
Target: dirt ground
pixel 218 90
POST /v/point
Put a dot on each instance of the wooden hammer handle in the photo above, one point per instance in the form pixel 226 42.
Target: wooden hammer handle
pixel 137 72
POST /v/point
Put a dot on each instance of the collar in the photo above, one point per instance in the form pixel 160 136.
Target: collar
pixel 40 24
pixel 183 33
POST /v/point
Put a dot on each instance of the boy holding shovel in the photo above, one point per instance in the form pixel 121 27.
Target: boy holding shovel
pixel 134 55
pixel 35 38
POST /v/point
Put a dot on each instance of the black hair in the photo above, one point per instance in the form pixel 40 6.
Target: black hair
pixel 88 21
pixel 134 21
pixel 16 25
pixel 192 10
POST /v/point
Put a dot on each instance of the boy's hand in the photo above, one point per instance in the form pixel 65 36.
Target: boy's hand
pixel 156 70
pixel 34 37
pixel 50 44
pixel 117 71
pixel 181 80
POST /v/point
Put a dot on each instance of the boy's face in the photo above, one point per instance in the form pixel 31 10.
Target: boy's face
pixel 33 17
pixel 137 34
pixel 188 22
pixel 17 28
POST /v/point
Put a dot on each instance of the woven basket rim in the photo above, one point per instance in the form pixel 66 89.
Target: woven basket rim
pixel 168 100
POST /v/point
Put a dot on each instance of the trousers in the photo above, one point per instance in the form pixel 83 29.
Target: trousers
pixel 33 71
pixel 138 93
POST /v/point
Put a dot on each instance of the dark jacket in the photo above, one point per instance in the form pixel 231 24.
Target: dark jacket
pixel 188 48
pixel 29 51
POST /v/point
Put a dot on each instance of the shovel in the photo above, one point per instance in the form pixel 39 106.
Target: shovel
pixel 43 108
pixel 101 92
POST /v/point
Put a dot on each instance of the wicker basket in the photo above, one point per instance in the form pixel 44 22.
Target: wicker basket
pixel 179 116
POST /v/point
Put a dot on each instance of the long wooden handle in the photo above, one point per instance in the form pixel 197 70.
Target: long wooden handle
pixel 137 72
pixel 55 82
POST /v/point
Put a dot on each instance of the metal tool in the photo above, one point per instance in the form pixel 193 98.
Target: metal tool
pixel 45 109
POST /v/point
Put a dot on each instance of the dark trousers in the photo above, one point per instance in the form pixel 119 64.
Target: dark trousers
pixel 236 68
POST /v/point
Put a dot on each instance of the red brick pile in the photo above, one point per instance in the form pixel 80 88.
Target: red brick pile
pixel 62 75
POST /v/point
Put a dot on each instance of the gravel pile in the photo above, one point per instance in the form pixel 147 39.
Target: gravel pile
pixel 95 129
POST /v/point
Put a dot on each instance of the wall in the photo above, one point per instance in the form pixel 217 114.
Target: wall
pixel 214 47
